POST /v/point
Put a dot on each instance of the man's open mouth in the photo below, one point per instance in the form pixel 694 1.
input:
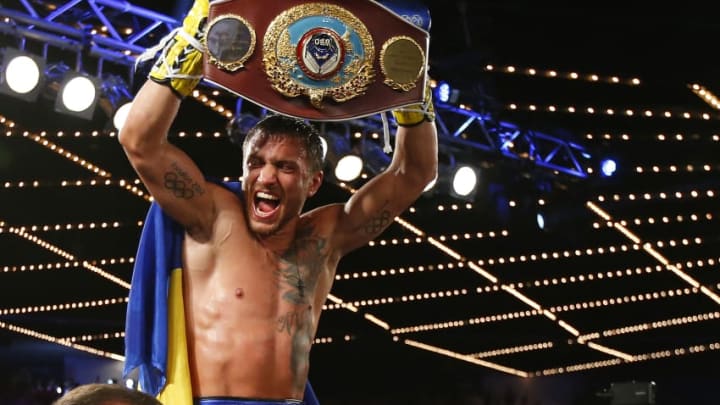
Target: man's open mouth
pixel 265 204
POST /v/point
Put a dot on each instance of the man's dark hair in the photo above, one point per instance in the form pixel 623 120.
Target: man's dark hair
pixel 280 125
pixel 101 394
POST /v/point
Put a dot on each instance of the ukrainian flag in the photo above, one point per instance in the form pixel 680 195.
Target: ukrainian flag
pixel 155 342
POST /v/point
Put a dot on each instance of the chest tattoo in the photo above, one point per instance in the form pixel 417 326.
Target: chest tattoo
pixel 300 266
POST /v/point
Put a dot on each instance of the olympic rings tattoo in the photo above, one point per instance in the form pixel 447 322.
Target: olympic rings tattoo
pixel 180 189
pixel 378 223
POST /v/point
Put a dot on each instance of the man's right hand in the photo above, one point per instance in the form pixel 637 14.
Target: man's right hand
pixel 179 64
pixel 417 113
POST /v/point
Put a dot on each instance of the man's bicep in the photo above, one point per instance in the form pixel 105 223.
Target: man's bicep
pixel 372 209
pixel 179 187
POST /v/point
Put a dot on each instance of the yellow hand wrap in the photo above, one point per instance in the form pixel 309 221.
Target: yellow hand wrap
pixel 416 113
pixel 180 62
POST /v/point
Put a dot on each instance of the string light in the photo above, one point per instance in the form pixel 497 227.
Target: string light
pixel 705 95
pixel 579 306
pixel 589 77
pixel 490 277
pixel 96 337
pixel 469 359
pixel 213 104
pixel 132 186
pixel 636 358
pixel 7 122
pixel 69 155
pixel 441 238
pixel 63 307
pixel 647 326
pixel 64 254
pixel 679 169
pixel 514 350
pixel 62 265
pixel 588 277
pixel 647 247
pixel 662 354
pixel 664 220
pixel 599 250
pixel 399 271
pixel 627 112
pixel 659 137
pixel 79 226
pixel 693 194
pixel 62 134
pixel 330 339
pixel 111 134
pixel 51 339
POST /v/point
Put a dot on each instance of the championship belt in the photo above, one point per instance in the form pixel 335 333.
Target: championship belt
pixel 327 60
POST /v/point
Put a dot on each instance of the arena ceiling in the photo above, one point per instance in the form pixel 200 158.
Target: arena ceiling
pixel 626 281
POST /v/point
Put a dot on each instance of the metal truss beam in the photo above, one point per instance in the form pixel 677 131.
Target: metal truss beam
pixel 468 128
pixel 77 25
pixel 108 29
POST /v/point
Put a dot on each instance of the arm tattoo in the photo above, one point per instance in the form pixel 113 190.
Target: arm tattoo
pixel 181 184
pixel 378 223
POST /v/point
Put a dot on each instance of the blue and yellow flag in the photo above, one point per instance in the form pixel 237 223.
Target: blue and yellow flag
pixel 155 342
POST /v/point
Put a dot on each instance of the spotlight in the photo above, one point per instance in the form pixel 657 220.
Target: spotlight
pixel 443 92
pixel 348 168
pixel 446 94
pixel 608 167
pixel 342 158
pixel 464 182
pixel 540 219
pixel 78 95
pixel 121 115
pixel 22 74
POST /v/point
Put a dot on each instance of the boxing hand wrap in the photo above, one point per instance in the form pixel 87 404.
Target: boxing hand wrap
pixel 180 63
pixel 416 113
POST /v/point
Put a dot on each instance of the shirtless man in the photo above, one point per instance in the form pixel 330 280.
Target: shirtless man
pixel 257 270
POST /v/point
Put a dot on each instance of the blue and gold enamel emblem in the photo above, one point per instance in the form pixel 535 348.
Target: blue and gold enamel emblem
pixel 319 50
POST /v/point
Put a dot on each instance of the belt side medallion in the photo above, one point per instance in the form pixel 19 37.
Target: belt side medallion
pixel 402 62
pixel 230 40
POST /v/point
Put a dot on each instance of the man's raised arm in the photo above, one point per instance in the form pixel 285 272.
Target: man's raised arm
pixel 171 177
pixel 414 165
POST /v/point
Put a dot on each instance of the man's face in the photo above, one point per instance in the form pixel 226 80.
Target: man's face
pixel 276 181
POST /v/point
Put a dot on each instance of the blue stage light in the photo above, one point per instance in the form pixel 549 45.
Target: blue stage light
pixel 443 92
pixel 608 167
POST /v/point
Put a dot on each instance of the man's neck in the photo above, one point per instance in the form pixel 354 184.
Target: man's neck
pixel 281 240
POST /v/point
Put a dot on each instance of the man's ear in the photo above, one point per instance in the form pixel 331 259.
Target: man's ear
pixel 315 183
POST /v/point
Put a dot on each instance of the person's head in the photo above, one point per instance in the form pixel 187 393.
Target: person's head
pixel 105 394
pixel 282 167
